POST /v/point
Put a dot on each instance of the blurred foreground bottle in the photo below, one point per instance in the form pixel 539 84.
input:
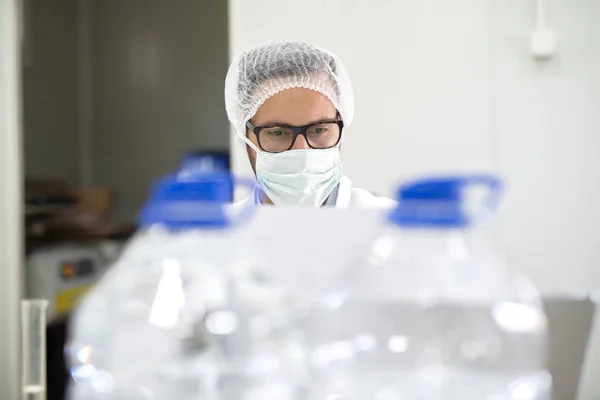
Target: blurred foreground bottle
pixel 186 312
pixel 205 162
pixel 431 313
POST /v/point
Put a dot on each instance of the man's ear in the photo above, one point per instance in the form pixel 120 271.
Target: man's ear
pixel 251 157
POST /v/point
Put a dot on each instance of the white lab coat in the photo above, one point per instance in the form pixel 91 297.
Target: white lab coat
pixel 347 197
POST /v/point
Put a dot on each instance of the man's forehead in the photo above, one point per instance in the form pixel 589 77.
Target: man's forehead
pixel 296 106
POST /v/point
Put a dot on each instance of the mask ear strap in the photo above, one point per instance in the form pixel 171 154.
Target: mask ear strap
pixel 248 142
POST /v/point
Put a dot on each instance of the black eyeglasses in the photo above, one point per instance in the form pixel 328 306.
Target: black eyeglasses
pixel 279 138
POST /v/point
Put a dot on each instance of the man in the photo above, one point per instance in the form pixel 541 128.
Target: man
pixel 290 103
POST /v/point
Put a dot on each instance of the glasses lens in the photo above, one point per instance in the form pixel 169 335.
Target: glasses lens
pixel 276 139
pixel 323 136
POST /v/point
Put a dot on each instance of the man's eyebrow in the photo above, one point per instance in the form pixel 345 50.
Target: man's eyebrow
pixel 280 123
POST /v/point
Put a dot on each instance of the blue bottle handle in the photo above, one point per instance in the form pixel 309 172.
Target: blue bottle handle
pixel 449 189
pixel 246 212
pixel 492 202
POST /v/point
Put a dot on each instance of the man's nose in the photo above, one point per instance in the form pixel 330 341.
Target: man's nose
pixel 300 143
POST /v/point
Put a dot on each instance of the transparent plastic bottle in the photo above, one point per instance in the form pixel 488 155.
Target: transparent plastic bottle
pixel 186 312
pixel 432 312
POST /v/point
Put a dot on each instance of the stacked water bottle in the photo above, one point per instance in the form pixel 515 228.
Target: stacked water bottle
pixel 190 312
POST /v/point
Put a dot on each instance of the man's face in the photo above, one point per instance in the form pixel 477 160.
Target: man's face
pixel 295 107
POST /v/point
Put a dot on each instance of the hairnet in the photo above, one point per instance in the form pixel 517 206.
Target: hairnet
pixel 261 72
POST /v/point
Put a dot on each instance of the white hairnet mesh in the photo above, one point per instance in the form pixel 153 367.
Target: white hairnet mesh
pixel 261 72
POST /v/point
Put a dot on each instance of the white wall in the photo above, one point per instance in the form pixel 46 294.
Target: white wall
pixel 546 123
pixel 158 69
pixel 449 85
pixel 420 72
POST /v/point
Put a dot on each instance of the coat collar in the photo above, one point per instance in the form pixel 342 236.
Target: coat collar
pixel 344 193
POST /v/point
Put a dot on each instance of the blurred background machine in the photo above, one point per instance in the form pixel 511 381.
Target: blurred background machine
pixel 70 241
pixel 61 273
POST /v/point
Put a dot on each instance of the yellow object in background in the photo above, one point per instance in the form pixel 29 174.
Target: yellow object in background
pixel 66 300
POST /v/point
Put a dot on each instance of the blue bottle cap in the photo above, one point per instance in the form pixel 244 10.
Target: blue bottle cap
pixel 188 201
pixel 438 202
pixel 205 162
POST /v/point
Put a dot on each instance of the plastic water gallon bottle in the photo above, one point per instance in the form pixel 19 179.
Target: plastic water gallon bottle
pixel 186 312
pixel 204 162
pixel 431 313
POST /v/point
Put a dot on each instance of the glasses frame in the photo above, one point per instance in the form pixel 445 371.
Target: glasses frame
pixel 297 130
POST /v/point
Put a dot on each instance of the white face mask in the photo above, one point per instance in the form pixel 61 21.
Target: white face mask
pixel 298 177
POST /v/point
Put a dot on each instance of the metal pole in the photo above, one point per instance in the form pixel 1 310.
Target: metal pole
pixel 11 216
